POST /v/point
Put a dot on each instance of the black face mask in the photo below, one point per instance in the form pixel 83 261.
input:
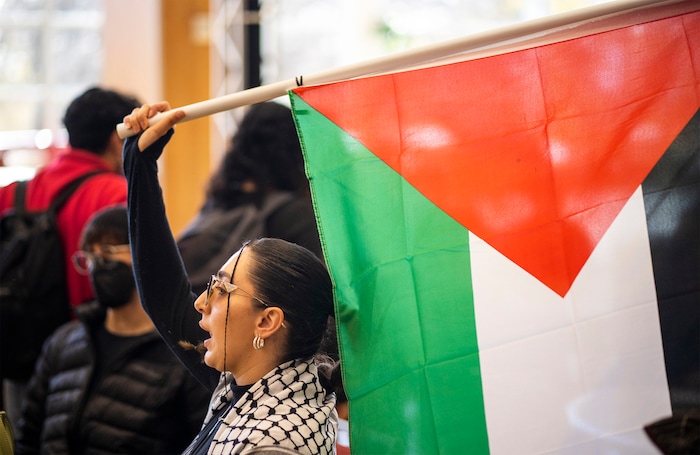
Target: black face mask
pixel 113 282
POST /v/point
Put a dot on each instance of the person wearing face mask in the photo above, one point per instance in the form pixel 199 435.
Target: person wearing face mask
pixel 107 383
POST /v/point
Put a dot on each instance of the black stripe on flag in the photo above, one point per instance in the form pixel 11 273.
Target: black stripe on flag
pixel 672 203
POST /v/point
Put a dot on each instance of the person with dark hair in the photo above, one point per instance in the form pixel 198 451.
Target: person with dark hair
pixel 262 319
pixel 261 175
pixel 95 147
pixel 264 154
pixel 107 383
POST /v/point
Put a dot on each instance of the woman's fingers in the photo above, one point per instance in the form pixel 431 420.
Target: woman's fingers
pixel 138 120
pixel 141 117
pixel 161 106
pixel 131 122
pixel 166 121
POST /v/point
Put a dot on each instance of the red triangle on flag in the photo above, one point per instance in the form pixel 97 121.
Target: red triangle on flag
pixel 534 151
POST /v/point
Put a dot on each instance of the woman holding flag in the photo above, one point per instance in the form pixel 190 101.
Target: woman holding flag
pixel 261 319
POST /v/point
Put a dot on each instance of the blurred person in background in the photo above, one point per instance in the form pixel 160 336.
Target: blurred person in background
pixel 261 175
pixel 90 121
pixel 107 383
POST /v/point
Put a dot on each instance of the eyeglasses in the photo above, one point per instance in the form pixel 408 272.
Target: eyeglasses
pixel 84 261
pixel 224 287
pixel 227 287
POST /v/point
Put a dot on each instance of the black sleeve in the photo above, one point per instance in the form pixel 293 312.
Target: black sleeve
pixel 160 275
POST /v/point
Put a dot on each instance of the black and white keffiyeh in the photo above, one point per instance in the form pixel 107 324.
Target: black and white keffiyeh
pixel 288 407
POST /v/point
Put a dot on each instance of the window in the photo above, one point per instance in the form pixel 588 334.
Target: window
pixel 50 50
pixel 309 36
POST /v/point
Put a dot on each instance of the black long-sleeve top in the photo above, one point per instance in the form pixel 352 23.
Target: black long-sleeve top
pixel 161 279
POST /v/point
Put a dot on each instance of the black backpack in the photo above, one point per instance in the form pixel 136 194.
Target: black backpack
pixel 214 235
pixel 33 291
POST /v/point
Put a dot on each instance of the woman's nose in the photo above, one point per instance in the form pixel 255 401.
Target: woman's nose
pixel 201 303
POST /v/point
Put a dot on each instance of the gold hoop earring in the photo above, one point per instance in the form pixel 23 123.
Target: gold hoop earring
pixel 258 343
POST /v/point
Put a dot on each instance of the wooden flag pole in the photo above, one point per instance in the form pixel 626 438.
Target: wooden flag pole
pixel 413 57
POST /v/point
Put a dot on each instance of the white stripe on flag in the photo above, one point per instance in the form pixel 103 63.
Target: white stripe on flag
pixel 577 375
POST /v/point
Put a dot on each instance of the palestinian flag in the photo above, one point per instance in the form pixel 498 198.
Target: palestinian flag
pixel 514 240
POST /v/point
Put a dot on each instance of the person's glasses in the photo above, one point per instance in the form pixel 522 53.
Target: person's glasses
pixel 224 287
pixel 84 261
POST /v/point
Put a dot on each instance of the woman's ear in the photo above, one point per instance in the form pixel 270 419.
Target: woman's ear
pixel 272 320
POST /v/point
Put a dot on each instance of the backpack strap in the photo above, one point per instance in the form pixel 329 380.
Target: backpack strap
pixel 20 195
pixel 58 201
pixel 271 204
pixel 274 202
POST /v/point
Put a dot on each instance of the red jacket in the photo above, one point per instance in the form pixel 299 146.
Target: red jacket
pixel 94 194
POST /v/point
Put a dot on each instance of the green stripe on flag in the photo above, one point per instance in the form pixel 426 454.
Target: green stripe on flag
pixel 401 270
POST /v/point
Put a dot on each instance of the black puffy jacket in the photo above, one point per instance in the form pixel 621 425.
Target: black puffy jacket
pixel 148 403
